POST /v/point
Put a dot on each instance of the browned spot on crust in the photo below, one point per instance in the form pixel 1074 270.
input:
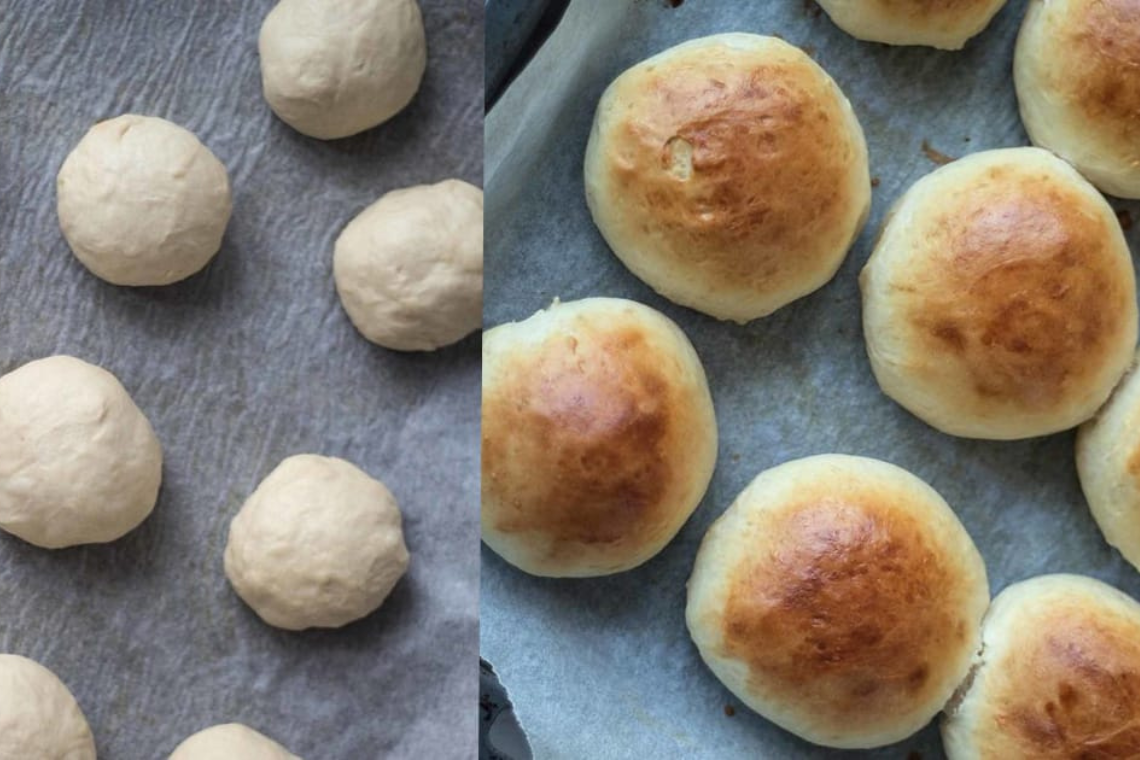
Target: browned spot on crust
pixel 935 156
pixel 1025 292
pixel 768 155
pixel 583 440
pixel 852 615
pixel 1074 692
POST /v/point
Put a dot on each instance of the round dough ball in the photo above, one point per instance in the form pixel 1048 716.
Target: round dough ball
pixel 599 437
pixel 79 463
pixel 333 68
pixel 840 598
pixel 39 717
pixel 1000 301
pixel 142 201
pixel 318 544
pixel 1108 461
pixel 231 741
pixel 409 268
pixel 729 173
pixel 1058 677
pixel 945 24
pixel 1077 73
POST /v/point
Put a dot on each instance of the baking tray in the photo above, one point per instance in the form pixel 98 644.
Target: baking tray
pixel 237 367
pixel 604 668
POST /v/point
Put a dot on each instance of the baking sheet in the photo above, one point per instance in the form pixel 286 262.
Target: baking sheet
pixel 604 668
pixel 238 367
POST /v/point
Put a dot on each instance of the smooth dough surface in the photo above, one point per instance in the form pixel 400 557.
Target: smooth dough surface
pixel 39 717
pixel 1000 301
pixel 79 462
pixel 318 544
pixel 599 437
pixel 1058 678
pixel 409 268
pixel 945 24
pixel 231 741
pixel 729 173
pixel 1077 73
pixel 333 68
pixel 840 598
pixel 1108 462
pixel 142 201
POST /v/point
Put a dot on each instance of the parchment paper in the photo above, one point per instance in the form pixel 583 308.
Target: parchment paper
pixel 243 364
pixel 604 668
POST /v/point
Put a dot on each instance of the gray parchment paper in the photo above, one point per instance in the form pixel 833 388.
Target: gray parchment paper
pixel 238 367
pixel 604 668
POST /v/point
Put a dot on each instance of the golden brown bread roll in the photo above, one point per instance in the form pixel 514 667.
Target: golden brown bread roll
pixel 946 24
pixel 1077 72
pixel 1058 678
pixel 1000 301
pixel 729 173
pixel 599 437
pixel 840 598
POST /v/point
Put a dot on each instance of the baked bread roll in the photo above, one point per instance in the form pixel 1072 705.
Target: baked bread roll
pixel 946 24
pixel 840 598
pixel 599 437
pixel 729 173
pixel 1000 301
pixel 1108 462
pixel 1058 677
pixel 1077 73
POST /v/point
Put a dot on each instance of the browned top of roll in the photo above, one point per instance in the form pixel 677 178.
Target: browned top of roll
pixel 852 612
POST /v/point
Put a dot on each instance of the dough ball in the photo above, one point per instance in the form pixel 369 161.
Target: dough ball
pixel 142 202
pixel 409 268
pixel 945 24
pixel 39 718
pixel 1000 301
pixel 1057 679
pixel 1108 461
pixel 729 173
pixel 79 463
pixel 1077 73
pixel 318 544
pixel 231 741
pixel 840 598
pixel 599 437
pixel 332 68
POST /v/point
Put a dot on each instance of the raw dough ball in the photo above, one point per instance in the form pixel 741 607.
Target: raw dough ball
pixel 39 718
pixel 1108 461
pixel 1077 73
pixel 599 437
pixel 409 268
pixel 332 68
pixel 729 173
pixel 1000 300
pixel 318 544
pixel 142 202
pixel 1058 677
pixel 79 463
pixel 231 741
pixel 840 598
pixel 945 24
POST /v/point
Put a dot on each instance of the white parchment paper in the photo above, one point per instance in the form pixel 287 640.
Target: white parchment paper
pixel 604 668
pixel 239 366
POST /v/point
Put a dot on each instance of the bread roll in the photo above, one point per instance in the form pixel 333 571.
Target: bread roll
pixel 599 437
pixel 729 173
pixel 1077 72
pixel 840 598
pixel 945 24
pixel 1108 461
pixel 1000 301
pixel 1058 678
